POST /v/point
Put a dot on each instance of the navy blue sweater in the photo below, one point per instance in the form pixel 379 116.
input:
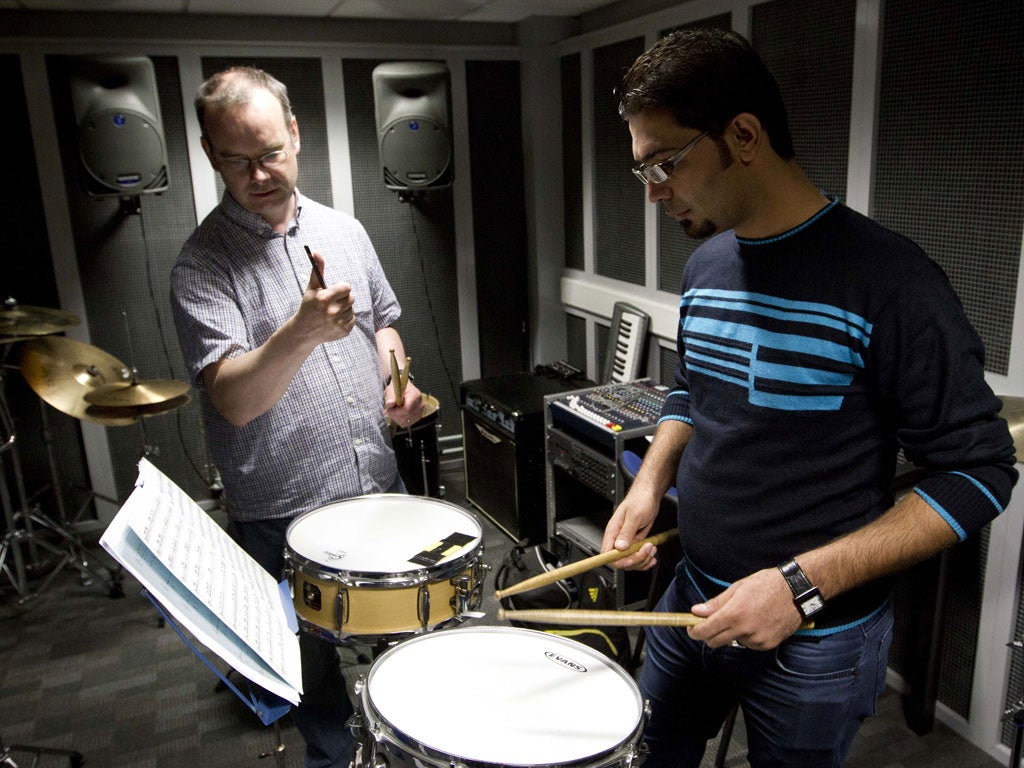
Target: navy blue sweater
pixel 806 361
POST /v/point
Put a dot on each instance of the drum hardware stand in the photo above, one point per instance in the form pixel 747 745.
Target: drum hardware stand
pixel 75 759
pixel 70 550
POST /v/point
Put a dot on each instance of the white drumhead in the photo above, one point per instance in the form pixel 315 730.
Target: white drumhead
pixel 504 695
pixel 378 534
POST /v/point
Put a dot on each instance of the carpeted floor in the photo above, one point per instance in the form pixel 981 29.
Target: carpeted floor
pixel 82 671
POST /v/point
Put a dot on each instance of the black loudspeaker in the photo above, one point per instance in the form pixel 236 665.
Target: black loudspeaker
pixel 413 124
pixel 120 133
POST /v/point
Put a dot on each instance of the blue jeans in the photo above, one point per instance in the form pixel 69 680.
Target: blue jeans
pixel 325 707
pixel 802 702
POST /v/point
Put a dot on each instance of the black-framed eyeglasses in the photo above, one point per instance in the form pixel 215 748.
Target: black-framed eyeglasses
pixel 656 173
pixel 240 165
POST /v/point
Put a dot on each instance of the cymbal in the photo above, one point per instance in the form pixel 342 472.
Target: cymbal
pixel 137 393
pixel 119 417
pixel 1013 412
pixel 62 371
pixel 22 320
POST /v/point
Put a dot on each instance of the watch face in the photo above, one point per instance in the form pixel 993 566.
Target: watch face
pixel 811 604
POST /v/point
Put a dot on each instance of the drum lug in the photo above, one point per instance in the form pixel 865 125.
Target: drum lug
pixel 288 575
pixel 341 604
pixel 423 606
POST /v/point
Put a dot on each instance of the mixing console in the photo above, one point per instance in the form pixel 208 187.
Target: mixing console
pixel 606 410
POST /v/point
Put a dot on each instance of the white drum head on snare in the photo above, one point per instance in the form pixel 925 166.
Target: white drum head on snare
pixel 379 534
pixel 505 696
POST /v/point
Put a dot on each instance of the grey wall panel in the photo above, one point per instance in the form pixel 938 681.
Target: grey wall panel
pixel 808 46
pixel 949 175
pixel 572 160
pixel 124 262
pixel 29 279
pixel 576 342
pixel 499 215
pixel 618 198
pixel 674 247
pixel 416 245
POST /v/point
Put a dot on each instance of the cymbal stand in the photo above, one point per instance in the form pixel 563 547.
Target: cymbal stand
pixel 24 525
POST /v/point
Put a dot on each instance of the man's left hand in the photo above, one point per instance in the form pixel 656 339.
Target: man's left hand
pixel 411 409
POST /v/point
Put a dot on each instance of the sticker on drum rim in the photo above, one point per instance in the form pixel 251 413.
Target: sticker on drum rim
pixel 439 550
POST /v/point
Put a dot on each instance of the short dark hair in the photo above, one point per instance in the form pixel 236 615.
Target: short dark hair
pixel 705 77
pixel 234 86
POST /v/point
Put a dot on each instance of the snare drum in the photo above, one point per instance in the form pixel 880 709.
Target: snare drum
pixel 496 696
pixel 372 567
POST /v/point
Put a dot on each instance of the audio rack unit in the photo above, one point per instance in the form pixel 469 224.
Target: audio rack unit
pixel 586 431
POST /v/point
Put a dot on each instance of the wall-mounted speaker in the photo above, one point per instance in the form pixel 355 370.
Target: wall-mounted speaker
pixel 413 124
pixel 120 134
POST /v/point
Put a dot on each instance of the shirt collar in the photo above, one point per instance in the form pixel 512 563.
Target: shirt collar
pixel 253 222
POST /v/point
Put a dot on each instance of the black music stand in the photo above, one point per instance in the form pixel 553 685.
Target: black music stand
pixel 75 759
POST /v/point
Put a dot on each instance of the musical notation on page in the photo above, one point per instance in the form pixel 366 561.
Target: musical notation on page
pixel 207 582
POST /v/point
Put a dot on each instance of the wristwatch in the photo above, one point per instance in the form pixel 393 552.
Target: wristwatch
pixel 806 597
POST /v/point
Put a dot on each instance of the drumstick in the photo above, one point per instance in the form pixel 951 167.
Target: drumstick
pixel 543 579
pixel 601 618
pixel 396 380
pixel 316 268
pixel 405 373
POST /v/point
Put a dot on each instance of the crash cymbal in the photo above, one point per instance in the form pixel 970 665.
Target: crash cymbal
pixel 137 393
pixel 1013 412
pixel 119 417
pixel 62 371
pixel 21 320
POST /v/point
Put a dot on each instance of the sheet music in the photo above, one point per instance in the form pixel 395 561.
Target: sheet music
pixel 206 581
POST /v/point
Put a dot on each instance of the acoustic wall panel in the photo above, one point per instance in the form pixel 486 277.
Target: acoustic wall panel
pixel 668 360
pixel 576 342
pixel 499 215
pixel 30 280
pixel 416 245
pixel 618 198
pixel 674 247
pixel 124 263
pixel 572 160
pixel 808 46
pixel 948 174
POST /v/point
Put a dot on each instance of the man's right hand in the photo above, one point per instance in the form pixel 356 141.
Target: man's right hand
pixel 325 314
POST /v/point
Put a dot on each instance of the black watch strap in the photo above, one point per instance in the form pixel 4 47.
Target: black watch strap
pixel 806 597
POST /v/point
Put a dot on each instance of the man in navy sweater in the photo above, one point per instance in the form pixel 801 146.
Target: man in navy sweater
pixel 813 345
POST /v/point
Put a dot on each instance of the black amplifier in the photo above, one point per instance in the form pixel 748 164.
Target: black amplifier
pixel 503 449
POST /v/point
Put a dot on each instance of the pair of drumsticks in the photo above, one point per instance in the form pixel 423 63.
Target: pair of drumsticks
pixel 400 378
pixel 588 617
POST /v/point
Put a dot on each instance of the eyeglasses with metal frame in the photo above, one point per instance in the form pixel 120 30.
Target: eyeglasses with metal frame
pixel 656 173
pixel 240 165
